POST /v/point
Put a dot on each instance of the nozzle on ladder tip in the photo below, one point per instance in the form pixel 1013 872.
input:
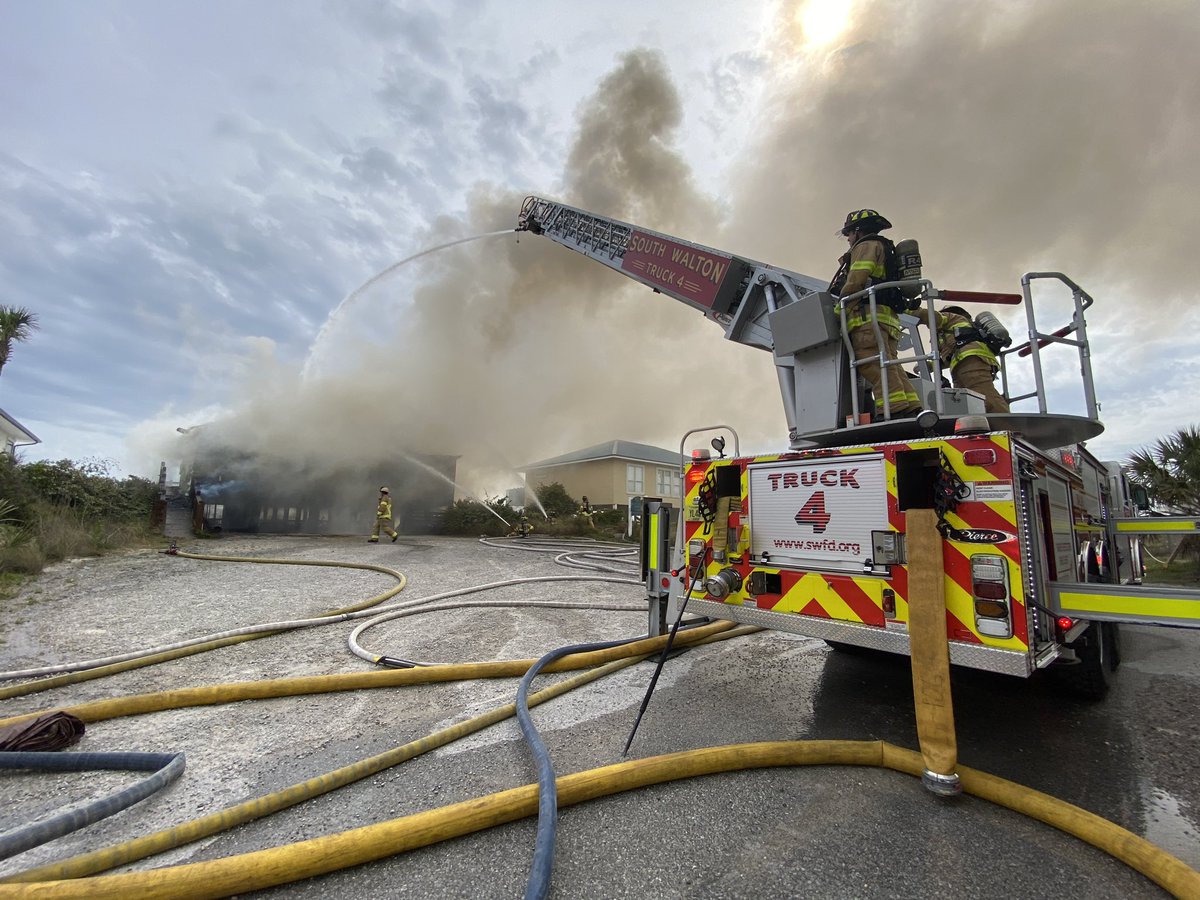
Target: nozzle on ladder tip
pixel 942 785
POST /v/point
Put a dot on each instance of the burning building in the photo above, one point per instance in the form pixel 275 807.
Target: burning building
pixel 237 491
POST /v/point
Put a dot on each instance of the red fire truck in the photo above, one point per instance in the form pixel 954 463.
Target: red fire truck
pixel 1040 540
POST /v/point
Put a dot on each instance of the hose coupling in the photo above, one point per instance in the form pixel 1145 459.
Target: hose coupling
pixel 724 583
pixel 942 785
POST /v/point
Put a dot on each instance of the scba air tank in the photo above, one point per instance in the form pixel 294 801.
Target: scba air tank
pixel 908 262
pixel 992 329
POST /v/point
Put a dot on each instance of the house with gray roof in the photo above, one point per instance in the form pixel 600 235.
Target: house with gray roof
pixel 612 473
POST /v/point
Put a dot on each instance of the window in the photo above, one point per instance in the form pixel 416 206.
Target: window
pixel 635 479
pixel 666 483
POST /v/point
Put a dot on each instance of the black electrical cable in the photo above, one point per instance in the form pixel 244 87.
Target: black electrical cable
pixel 692 578
pixel 166 767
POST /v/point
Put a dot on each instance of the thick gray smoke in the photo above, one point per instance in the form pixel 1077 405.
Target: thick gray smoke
pixel 1006 137
pixel 512 350
pixel 1053 135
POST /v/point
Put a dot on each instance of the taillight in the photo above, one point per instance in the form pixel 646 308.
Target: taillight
pixel 989 589
pixel 979 457
pixel 992 609
pixel 695 475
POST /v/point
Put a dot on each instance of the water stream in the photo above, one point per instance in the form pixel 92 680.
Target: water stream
pixel 373 280
pixel 432 471
pixel 529 493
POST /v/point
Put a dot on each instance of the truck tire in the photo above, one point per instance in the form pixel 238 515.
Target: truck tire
pixel 851 649
pixel 1091 677
pixel 1113 634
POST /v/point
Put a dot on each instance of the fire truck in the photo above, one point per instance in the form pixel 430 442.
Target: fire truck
pixel 1041 541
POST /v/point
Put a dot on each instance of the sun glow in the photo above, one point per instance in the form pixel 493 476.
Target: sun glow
pixel 823 21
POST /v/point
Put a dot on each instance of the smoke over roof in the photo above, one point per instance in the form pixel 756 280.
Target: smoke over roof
pixel 1028 136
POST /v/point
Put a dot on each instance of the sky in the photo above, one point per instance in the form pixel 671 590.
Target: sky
pixel 196 201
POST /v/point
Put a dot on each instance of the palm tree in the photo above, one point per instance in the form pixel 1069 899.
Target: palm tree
pixel 16 324
pixel 1170 472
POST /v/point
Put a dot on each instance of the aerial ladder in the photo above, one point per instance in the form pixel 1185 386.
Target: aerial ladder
pixel 1036 541
pixel 793 317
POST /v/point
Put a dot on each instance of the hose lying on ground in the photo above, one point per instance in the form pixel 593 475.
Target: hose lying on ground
pixel 318 856
pixel 415 607
pixel 400 662
pixel 538 884
pixel 165 766
pixel 187 832
pixel 252 631
pixel 212 695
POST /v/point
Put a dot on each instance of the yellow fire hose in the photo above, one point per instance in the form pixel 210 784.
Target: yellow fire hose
pixel 45 684
pixel 233 692
pixel 930 653
pixel 306 859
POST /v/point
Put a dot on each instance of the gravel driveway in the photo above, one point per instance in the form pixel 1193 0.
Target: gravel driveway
pixel 829 832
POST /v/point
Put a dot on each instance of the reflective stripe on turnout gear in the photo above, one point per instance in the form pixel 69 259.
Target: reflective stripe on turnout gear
pixel 867 267
pixel 858 313
pixel 950 326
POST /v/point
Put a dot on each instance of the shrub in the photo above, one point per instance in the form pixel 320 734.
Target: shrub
pixel 473 517
pixel 50 511
pixel 88 488
pixel 556 501
pixel 16 490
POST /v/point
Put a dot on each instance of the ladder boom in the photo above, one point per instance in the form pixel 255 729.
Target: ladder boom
pixel 727 289
pixel 805 328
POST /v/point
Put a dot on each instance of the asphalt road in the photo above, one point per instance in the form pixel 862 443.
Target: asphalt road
pixel 821 831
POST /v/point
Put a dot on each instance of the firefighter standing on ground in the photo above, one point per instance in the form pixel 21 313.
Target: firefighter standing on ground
pixel 860 267
pixel 383 518
pixel 585 512
pixel 971 362
pixel 524 527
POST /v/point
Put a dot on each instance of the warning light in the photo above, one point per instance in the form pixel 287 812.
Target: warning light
pixel 1064 623
pixel 695 475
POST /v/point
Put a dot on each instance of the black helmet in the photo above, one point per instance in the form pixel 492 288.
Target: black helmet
pixel 957 310
pixel 866 220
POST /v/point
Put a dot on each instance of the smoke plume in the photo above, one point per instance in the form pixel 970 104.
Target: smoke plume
pixel 1006 138
pixel 510 350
